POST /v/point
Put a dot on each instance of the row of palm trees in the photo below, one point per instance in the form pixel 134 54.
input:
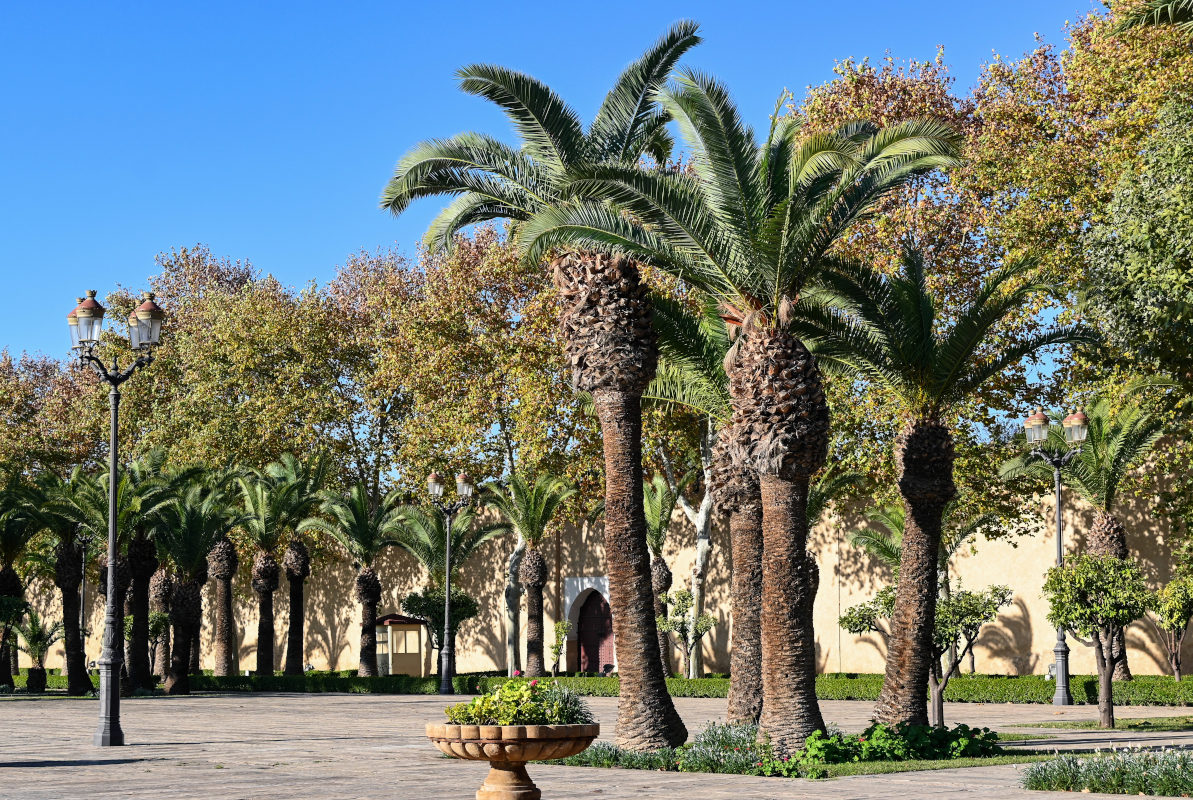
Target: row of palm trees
pixel 749 226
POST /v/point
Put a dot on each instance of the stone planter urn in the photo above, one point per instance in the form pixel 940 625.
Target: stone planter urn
pixel 507 748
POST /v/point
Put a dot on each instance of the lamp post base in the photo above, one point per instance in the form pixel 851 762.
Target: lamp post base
pixel 1062 697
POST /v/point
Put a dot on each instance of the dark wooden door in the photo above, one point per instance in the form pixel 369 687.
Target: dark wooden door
pixel 595 633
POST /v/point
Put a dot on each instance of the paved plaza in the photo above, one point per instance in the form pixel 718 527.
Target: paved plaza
pixel 342 747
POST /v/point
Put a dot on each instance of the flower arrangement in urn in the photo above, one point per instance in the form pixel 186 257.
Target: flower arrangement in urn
pixel 515 723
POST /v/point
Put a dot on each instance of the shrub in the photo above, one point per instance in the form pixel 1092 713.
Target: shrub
pixel 1168 773
pixel 523 703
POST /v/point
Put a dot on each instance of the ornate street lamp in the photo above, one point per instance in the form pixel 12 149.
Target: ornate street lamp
pixel 464 489
pixel 1075 427
pixel 144 330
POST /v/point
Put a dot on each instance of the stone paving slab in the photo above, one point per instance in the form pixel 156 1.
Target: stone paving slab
pixel 309 747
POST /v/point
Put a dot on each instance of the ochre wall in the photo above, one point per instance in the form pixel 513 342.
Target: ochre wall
pixel 1020 643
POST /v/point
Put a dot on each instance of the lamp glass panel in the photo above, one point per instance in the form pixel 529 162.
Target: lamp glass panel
pixel 134 333
pixel 74 335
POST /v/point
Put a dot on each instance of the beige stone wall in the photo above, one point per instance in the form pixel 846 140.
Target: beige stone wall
pixel 1020 643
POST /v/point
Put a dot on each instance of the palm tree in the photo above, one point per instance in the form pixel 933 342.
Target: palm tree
pixel 363 528
pixel 423 535
pixel 605 325
pixel 38 638
pixel 222 563
pixel 885 330
pixel 749 225
pixel 528 509
pixel 310 477
pixel 659 504
pixel 17 529
pixel 65 561
pixel 1117 440
pixel 278 499
pixel 195 522
pixel 1155 13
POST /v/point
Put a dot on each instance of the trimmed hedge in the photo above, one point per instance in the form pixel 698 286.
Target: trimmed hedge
pixel 1144 690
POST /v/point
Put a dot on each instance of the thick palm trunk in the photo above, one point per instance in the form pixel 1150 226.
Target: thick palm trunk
pixel 185 617
pixel 298 568
pixel 533 572
pixel 10 586
pixel 925 458
pixel 368 594
pixel 605 326
pixel 660 584
pixel 265 583
pixel 142 557
pixel 68 576
pixel 161 587
pixel 790 578
pixel 646 716
pixel 745 653
pixel 196 663
pixel 222 563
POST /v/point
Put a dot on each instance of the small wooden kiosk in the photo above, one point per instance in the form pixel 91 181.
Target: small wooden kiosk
pixel 403 646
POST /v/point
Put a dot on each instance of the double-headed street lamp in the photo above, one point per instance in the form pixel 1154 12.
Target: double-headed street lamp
pixel 144 331
pixel 1076 425
pixel 464 489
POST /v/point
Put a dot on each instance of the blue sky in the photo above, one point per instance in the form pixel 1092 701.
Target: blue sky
pixel 266 130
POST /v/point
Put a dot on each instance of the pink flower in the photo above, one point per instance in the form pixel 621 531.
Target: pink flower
pixel 517 673
pixel 534 683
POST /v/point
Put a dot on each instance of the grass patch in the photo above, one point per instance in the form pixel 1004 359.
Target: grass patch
pixel 1184 723
pixel 885 767
pixel 1004 736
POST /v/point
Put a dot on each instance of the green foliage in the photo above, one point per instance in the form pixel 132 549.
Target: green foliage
pixel 422 534
pixel 528 507
pixel 1173 605
pixel 1140 257
pixel 523 703
pixel 1168 773
pixel 687 630
pixel 428 605
pixel 562 628
pixel 362 526
pixel 279 498
pixel 658 503
pixel 12 610
pixel 1091 594
pixel 192 525
pixel 37 637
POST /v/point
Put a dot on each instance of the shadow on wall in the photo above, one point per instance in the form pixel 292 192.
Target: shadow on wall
pixel 1010 639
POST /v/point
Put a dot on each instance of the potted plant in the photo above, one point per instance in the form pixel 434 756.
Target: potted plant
pixel 38 638
pixel 515 723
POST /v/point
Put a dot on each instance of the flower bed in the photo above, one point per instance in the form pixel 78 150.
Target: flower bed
pixel 1167 774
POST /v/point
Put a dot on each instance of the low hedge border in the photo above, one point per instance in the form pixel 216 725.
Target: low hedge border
pixel 1144 690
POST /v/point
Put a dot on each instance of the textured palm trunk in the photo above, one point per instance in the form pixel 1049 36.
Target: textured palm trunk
pixel 924 452
pixel 646 716
pixel 1108 537
pixel 605 326
pixel 185 616
pixel 68 576
pixel 265 583
pixel 142 557
pixel 368 594
pixel 222 563
pixel 745 654
pixel 10 586
pixel 533 574
pixel 161 587
pixel 780 431
pixel 297 562
pixel 660 584
pixel 790 578
pixel 196 662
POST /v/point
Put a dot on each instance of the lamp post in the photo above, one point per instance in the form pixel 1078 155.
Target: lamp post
pixel 144 331
pixel 1075 427
pixel 464 489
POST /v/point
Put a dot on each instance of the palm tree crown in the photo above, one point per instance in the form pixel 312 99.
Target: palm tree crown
pixel 193 524
pixel 1154 13
pixel 361 527
pixel 422 534
pixel 492 180
pixel 529 507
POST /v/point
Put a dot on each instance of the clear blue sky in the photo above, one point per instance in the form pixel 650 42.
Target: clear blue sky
pixel 266 130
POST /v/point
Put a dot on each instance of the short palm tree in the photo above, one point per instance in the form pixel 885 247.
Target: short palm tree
pixel 1155 13
pixel 310 477
pixel 423 535
pixel 277 501
pixel 529 508
pixel 749 225
pixel 37 637
pixel 193 524
pixel 886 330
pixel 605 323
pixel 659 504
pixel 364 529
pixel 1117 441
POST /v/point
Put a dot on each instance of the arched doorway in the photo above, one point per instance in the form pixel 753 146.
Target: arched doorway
pixel 594 633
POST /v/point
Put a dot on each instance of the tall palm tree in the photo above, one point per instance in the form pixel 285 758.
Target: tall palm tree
pixel 17 529
pixel 749 225
pixel 195 522
pixel 1156 13
pixel 1117 440
pixel 278 499
pixel 310 478
pixel 605 323
pixel 423 535
pixel 66 551
pixel 364 529
pixel 886 330
pixel 529 508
